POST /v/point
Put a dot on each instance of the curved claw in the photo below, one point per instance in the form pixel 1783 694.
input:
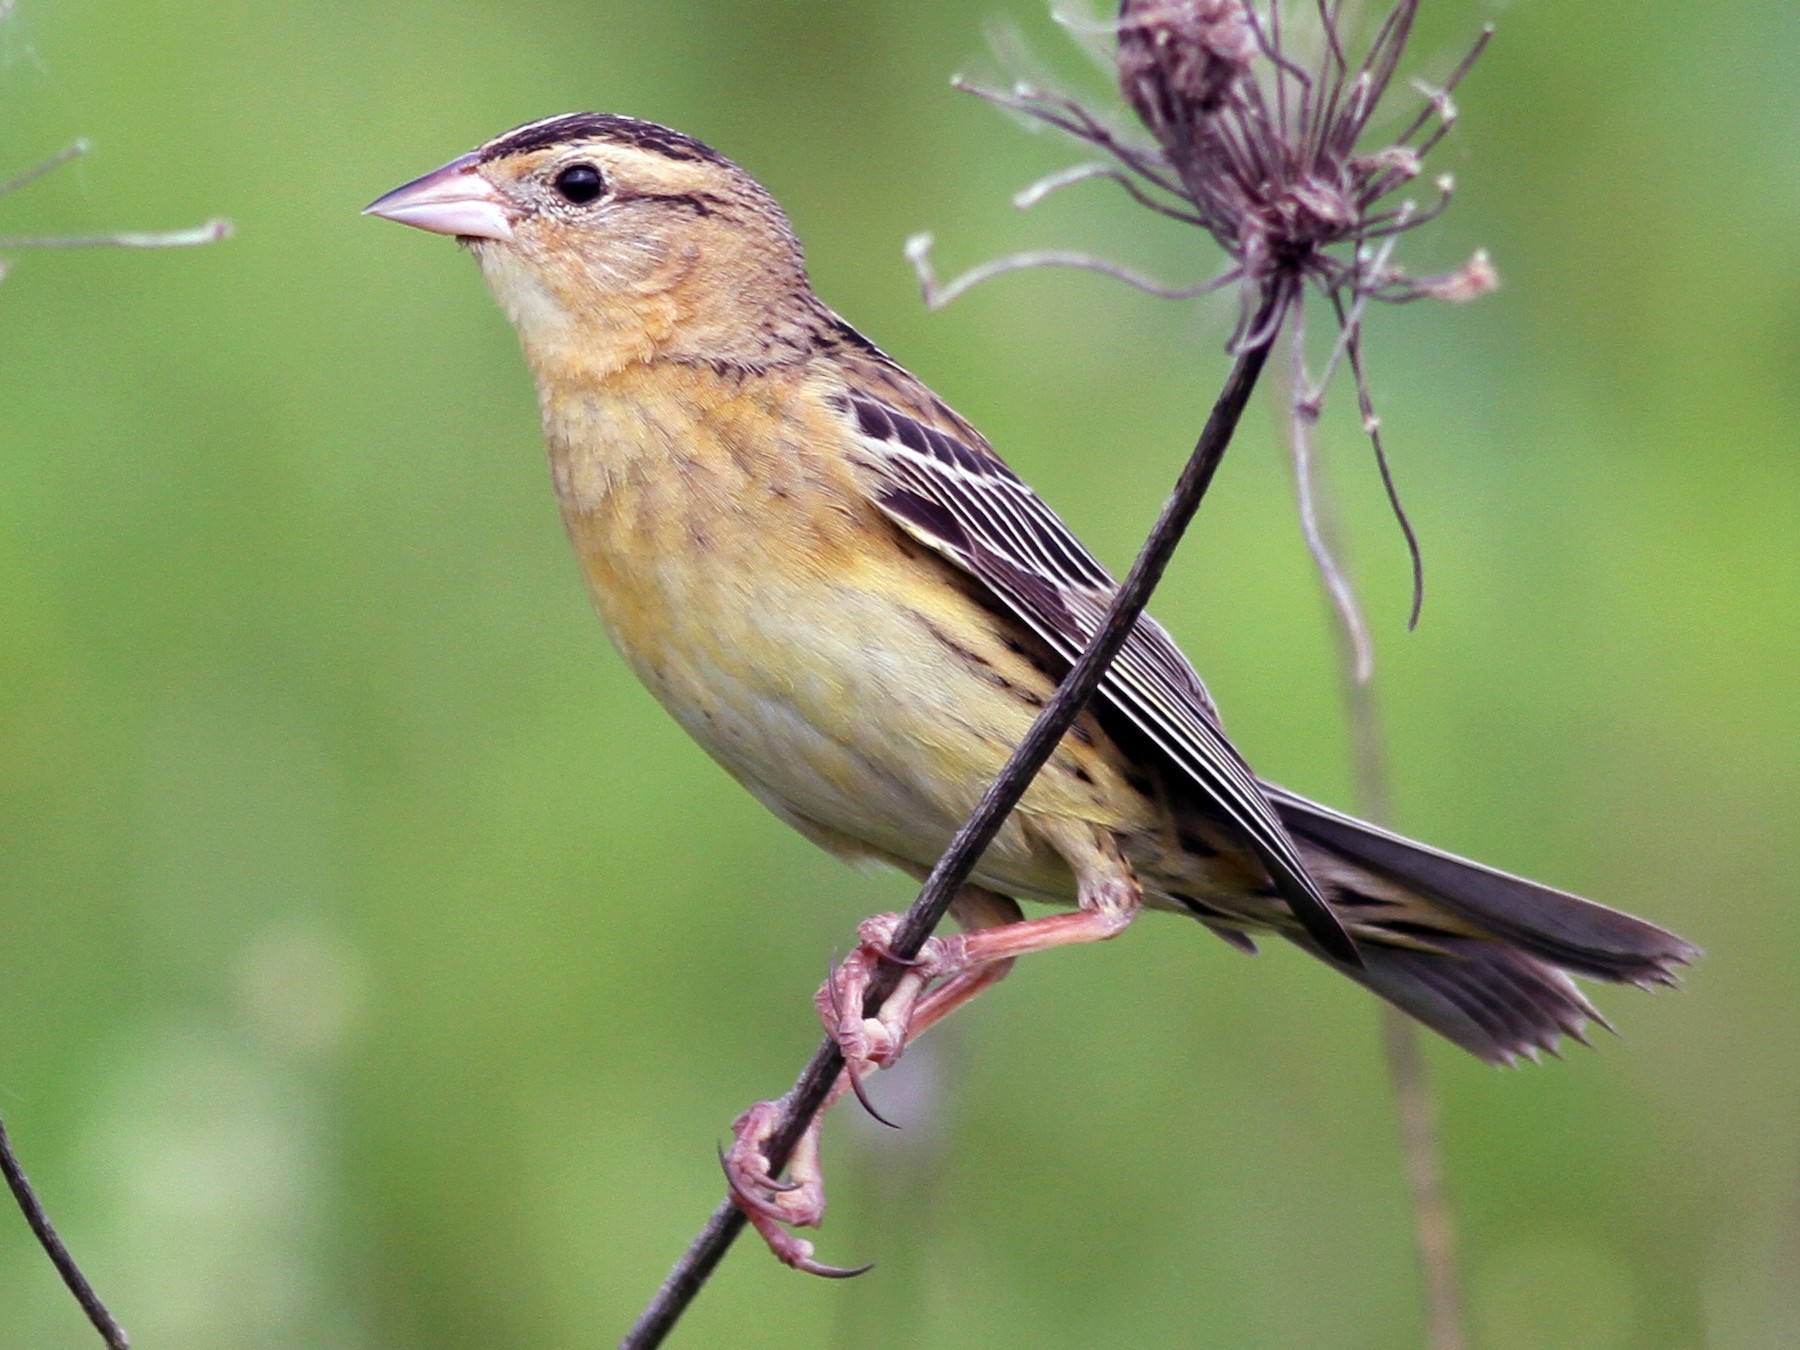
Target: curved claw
pixel 874 935
pixel 798 1253
pixel 851 1071
pixel 770 1217
pixel 883 952
pixel 856 1085
pixel 747 1200
pixel 766 1182
pixel 833 993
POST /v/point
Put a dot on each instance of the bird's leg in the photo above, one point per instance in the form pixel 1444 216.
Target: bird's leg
pixel 948 972
pixel 773 1206
pixel 876 1042
pixel 1109 898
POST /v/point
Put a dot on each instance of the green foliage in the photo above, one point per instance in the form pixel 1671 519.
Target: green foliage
pixel 381 966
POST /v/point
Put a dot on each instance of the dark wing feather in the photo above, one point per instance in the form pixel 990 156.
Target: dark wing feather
pixel 964 503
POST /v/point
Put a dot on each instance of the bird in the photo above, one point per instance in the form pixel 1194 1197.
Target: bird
pixel 849 600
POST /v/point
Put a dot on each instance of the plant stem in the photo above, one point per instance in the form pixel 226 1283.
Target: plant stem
pixel 1434 1217
pixel 808 1094
pixel 110 1331
pixel 1415 1105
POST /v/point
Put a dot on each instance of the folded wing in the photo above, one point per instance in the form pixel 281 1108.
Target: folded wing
pixel 958 498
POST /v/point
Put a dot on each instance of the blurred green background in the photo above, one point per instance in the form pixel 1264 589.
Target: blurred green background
pixel 379 966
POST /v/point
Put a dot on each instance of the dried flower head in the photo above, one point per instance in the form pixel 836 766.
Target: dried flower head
pixel 1261 146
pixel 1265 150
pixel 1179 63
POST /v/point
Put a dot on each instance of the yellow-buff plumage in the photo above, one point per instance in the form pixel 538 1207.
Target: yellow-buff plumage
pixel 842 593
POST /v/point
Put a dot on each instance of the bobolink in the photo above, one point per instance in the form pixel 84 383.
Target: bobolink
pixel 835 585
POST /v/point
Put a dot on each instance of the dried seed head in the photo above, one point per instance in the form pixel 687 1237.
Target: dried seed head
pixel 1179 59
pixel 1262 146
pixel 1256 112
pixel 1255 137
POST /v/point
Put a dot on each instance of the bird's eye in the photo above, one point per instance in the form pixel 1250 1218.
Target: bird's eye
pixel 580 183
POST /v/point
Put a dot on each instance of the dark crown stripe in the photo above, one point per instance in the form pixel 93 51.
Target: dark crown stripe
pixel 555 131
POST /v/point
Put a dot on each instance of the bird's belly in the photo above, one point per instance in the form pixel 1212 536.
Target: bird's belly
pixel 833 713
pixel 828 697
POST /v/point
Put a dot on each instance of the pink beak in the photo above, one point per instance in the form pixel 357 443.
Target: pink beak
pixel 452 200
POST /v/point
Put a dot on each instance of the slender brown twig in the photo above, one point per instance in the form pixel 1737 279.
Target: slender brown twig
pixel 110 1331
pixel 73 150
pixel 35 1215
pixel 1415 1105
pixel 808 1094
pixel 938 294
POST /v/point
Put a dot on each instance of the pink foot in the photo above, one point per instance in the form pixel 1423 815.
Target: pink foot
pixel 772 1206
pixel 947 973
pixel 876 1042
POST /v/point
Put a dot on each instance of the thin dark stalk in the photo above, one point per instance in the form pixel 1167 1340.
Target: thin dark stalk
pixel 110 1331
pixel 1438 105
pixel 1365 403
pixel 815 1083
pixel 1415 1105
pixel 1148 165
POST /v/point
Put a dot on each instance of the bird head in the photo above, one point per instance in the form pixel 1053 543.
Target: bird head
pixel 609 240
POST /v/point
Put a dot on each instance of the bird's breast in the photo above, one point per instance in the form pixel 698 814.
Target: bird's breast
pixel 825 661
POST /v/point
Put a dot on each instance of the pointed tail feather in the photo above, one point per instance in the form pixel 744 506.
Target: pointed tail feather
pixel 1493 1000
pixel 1562 929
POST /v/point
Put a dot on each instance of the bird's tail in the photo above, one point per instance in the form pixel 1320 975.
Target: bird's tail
pixel 1475 954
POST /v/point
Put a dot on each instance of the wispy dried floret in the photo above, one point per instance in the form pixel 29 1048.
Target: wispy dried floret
pixel 210 233
pixel 1256 116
